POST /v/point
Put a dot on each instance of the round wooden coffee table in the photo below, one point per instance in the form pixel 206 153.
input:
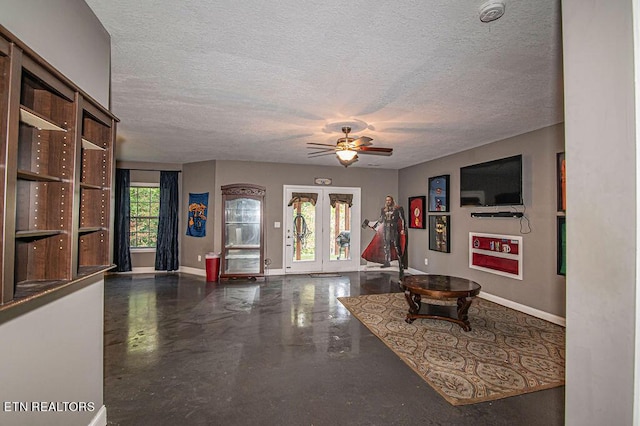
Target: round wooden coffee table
pixel 440 287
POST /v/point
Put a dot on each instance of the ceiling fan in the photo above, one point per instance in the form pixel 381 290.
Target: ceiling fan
pixel 347 149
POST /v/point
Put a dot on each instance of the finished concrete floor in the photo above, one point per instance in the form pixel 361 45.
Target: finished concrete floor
pixel 283 351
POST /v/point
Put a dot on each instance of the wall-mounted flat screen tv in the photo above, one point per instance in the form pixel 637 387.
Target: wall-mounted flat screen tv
pixel 494 183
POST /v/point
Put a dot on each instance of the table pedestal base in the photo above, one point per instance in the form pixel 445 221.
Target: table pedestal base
pixel 457 314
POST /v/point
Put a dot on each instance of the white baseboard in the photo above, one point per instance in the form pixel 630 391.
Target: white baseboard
pixel 490 297
pixel 525 309
pixel 100 419
pixel 188 270
pixel 143 270
pixel 203 272
pixel 511 304
pixel 193 271
pixel 152 270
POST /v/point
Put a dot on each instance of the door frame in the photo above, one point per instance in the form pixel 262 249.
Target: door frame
pixel 326 264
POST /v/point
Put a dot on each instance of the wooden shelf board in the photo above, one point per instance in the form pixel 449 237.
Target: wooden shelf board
pixel 33 234
pixel 89 186
pixel 38 121
pixel 89 229
pixel 87 144
pixel 36 177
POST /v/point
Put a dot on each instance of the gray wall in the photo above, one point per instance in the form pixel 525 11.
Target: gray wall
pixel 541 288
pixel 67 34
pixel 602 229
pixel 56 355
pixel 375 184
pixel 198 178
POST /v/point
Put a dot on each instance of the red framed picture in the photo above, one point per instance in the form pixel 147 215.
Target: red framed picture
pixel 416 212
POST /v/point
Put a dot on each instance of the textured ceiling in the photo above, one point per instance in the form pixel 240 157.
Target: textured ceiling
pixel 256 80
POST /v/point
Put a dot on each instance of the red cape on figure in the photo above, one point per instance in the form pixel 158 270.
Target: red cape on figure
pixel 375 250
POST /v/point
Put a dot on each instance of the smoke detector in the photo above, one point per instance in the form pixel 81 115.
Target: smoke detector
pixel 492 10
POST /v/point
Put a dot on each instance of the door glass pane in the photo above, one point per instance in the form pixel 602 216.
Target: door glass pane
pixel 304 239
pixel 340 232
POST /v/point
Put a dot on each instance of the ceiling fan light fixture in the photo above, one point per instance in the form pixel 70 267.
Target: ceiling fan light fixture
pixel 347 148
pixel 346 155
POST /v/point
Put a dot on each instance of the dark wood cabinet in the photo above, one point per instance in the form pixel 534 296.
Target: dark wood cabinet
pixel 242 231
pixel 57 161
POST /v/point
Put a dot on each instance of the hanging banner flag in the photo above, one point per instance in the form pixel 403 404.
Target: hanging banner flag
pixel 196 225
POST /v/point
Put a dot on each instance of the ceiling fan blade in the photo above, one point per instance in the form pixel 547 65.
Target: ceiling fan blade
pixel 361 141
pixel 321 149
pixel 320 144
pixel 374 150
pixel 316 153
pixel 320 154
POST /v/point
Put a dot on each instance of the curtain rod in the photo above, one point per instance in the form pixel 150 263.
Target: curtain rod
pixel 149 170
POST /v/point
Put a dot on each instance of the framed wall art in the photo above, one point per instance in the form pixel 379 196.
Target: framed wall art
pixel 439 233
pixel 416 212
pixel 439 193
pixel 561 176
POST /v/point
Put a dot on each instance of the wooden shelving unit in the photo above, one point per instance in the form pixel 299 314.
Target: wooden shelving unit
pixel 5 67
pixel 96 165
pixel 57 161
pixel 45 157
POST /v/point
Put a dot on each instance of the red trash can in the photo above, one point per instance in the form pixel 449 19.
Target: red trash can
pixel 212 262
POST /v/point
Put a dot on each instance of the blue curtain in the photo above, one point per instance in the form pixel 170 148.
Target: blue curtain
pixel 167 244
pixel 121 240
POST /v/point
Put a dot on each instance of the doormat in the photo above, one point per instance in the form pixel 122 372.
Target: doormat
pixel 325 275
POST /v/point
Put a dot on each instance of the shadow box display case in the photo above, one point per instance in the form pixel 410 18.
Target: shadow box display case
pixel 242 231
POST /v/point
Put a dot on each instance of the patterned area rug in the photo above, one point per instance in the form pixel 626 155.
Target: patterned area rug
pixel 506 353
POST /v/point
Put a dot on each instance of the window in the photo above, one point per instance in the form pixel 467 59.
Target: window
pixel 145 209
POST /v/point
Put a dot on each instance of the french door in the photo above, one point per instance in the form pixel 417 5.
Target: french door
pixel 322 229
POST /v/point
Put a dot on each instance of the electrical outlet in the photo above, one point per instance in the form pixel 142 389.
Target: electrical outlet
pixel 199 258
pixel 426 261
